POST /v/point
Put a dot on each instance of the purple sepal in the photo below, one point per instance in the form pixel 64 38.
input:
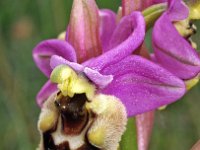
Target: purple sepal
pixel 44 50
pixel 107 26
pixel 177 10
pixel 58 60
pixel 47 89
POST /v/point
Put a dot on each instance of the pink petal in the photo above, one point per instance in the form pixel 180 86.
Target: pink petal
pixel 45 92
pixel 129 36
pixel 100 80
pixel 44 50
pixel 142 85
pixel 107 26
pixel 177 10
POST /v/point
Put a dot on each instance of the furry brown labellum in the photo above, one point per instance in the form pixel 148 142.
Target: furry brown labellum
pixel 74 123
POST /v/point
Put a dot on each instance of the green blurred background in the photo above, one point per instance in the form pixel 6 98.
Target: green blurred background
pixel 23 24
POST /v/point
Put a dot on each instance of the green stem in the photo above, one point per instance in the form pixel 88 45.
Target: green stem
pixel 151 14
pixel 129 141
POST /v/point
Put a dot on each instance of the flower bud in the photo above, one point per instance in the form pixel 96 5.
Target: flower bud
pixel 83 30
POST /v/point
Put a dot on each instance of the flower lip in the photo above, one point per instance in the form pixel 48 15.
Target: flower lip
pixel 72 108
pixel 83 132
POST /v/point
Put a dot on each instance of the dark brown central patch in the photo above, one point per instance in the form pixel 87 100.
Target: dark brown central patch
pixel 73 113
pixel 75 118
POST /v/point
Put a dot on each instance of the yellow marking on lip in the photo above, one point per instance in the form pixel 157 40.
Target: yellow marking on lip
pixel 47 122
pixel 97 137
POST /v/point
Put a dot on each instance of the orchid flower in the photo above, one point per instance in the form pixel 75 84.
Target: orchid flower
pixel 96 82
pixel 171 44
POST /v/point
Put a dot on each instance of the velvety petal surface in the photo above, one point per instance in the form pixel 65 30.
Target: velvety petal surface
pixel 44 50
pixel 172 51
pixel 97 78
pixel 125 28
pixel 48 89
pixel 142 85
pixel 83 33
pixel 100 80
pixel 177 10
pixel 108 24
pixel 58 60
pixel 127 37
